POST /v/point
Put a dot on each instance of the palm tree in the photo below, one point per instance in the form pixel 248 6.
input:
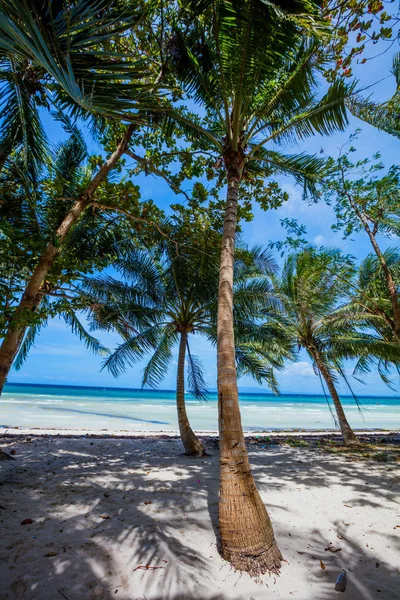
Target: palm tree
pixel 372 303
pixel 365 202
pixel 252 66
pixel 311 291
pixel 33 206
pixel 165 299
pixel 62 56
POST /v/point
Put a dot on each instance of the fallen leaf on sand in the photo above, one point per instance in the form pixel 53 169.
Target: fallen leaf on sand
pixel 147 568
pixel 147 502
pixel 104 517
pixel 333 549
pixel 341 537
pixel 27 522
pixel 51 554
pixel 347 524
pixel 348 505
pixel 322 565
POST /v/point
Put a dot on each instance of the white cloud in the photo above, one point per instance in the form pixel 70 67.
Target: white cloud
pixel 319 240
pixel 299 369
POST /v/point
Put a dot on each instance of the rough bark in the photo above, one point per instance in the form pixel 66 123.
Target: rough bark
pixel 191 443
pixel 12 339
pixel 349 437
pixel 247 536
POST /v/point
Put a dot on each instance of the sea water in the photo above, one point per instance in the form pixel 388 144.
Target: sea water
pixel 73 407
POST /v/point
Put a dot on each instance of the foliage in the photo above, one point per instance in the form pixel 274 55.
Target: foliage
pixel 355 190
pixel 370 304
pixel 31 209
pixel 253 92
pixel 356 25
pixel 384 115
pixel 167 291
pixel 311 311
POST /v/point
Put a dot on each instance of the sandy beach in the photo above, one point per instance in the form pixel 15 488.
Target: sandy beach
pixel 135 519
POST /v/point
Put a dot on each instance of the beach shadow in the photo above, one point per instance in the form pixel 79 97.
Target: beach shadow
pixel 131 519
pixel 98 414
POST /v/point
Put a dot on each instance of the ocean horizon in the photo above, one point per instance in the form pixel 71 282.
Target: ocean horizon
pixel 131 409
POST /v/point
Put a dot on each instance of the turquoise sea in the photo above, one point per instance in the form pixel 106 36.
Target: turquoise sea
pixel 70 407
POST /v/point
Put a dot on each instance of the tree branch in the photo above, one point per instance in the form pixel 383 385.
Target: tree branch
pixel 157 171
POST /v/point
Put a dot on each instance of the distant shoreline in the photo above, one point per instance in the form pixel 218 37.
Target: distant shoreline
pixel 174 434
pixel 157 391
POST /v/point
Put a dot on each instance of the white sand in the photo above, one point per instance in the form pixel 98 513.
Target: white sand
pixel 163 508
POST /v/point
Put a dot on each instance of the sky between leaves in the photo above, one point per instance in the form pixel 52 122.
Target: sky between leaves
pixel 60 358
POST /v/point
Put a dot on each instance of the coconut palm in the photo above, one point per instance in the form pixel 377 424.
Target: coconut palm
pixel 63 55
pixel 371 302
pixel 32 207
pixel 163 300
pixel 252 67
pixel 311 291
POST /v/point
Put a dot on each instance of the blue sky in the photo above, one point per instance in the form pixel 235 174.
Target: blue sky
pixel 60 358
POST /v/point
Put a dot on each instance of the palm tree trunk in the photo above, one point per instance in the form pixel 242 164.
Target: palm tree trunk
pixel 246 531
pixel 12 339
pixel 349 437
pixel 391 286
pixel 191 443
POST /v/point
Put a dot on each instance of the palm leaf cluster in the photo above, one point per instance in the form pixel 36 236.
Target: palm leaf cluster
pixel 162 293
pixel 257 89
pixel 312 308
pixel 32 207
pixel 66 55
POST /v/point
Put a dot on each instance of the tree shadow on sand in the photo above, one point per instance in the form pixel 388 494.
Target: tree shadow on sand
pixel 134 519
pixel 86 504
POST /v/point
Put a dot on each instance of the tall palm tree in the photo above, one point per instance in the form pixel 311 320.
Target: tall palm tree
pixel 62 55
pixel 371 302
pixel 164 300
pixel 311 291
pixel 32 207
pixel 252 66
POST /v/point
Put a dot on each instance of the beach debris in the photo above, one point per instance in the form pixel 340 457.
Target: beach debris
pixel 332 548
pixel 147 502
pixel 348 505
pixel 341 582
pixel 147 568
pixel 341 537
pixel 322 565
pixel 105 517
pixel 347 524
pixel 13 451
pixel 51 554
pixel 27 522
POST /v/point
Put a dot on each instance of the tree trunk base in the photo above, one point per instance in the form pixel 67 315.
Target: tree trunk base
pixel 197 454
pixel 195 449
pixel 269 561
pixel 352 442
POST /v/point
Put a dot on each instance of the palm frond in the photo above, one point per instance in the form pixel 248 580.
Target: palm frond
pixel 196 381
pixel 91 343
